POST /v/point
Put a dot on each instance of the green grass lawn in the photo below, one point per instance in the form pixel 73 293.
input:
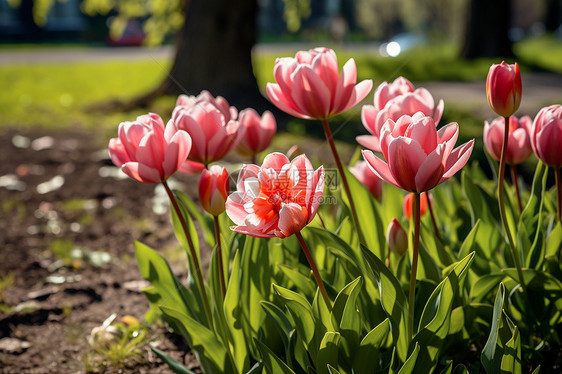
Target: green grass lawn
pixel 57 95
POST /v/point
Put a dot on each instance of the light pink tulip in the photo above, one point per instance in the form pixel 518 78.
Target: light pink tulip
pixel 187 102
pixel 277 199
pixel 310 87
pixel 213 134
pixel 503 88
pixel 392 101
pixel 518 143
pixel 546 135
pixel 255 133
pixel 365 175
pixel 397 238
pixel 418 156
pixel 213 189
pixel 147 151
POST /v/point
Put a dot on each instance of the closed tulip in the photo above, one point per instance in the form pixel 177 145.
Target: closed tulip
pixel 256 132
pixel 213 189
pixel 546 135
pixel 214 133
pixel 365 175
pixel 392 101
pixel 518 144
pixel 309 85
pixel 397 238
pixel 147 151
pixel 503 88
pixel 277 199
pixel 418 157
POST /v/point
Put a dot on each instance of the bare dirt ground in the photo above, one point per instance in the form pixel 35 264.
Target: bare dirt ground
pixel 67 228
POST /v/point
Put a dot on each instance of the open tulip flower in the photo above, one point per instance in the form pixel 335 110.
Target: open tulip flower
pixel 256 132
pixel 216 134
pixel 503 88
pixel 546 135
pixel 392 101
pixel 187 102
pixel 518 144
pixel 147 151
pixel 365 175
pixel 418 157
pixel 277 199
pixel 310 87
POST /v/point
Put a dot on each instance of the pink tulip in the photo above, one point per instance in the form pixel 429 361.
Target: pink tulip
pixel 518 143
pixel 546 135
pixel 147 151
pixel 187 102
pixel 503 88
pixel 408 204
pixel 255 133
pixel 310 87
pixel 392 101
pixel 418 156
pixel 396 238
pixel 215 134
pixel 365 175
pixel 277 199
pixel 213 189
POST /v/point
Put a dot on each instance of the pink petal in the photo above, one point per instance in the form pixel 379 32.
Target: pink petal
pixel 405 158
pixel 316 198
pixel 379 167
pixel 141 172
pixel 448 134
pixel 431 170
pixel 150 152
pixel 117 152
pixel 369 141
pixel 191 167
pixel 310 93
pixel 438 112
pixel 424 132
pixel 360 91
pixel 275 161
pixel 292 218
pixel 457 159
pixel 235 207
pixel 368 118
pixel 248 171
pixel 325 65
pixel 284 102
pixel 176 153
pixel 345 84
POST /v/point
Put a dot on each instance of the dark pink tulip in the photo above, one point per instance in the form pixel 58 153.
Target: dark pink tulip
pixel 397 238
pixel 213 130
pixel 518 144
pixel 256 133
pixel 418 157
pixel 277 199
pixel 147 151
pixel 503 88
pixel 365 175
pixel 392 101
pixel 309 86
pixel 213 189
pixel 546 135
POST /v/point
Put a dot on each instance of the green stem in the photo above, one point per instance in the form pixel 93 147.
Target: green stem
pixel 198 273
pixel 558 173
pixel 412 294
pixel 502 205
pixel 514 181
pixel 219 256
pixel 330 139
pixel 314 270
pixel 433 221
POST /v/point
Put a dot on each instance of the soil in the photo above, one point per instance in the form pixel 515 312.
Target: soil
pixel 68 227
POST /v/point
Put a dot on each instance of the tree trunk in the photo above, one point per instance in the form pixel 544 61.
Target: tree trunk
pixel 486 33
pixel 214 53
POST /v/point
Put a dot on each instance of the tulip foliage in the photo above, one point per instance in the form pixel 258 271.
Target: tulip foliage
pixel 293 288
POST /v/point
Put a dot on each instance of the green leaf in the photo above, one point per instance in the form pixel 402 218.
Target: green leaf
pixel 328 352
pixel 468 242
pixel 281 321
pixel 205 221
pixel 537 280
pixel 502 341
pixel 173 364
pixel 448 369
pixel 511 360
pixel 272 363
pixel 393 301
pixel 484 285
pixel 436 317
pixel 410 364
pixel 368 214
pixel 460 369
pixel 347 316
pixel 332 370
pixel 303 283
pixel 435 250
pixel 212 354
pixel 181 234
pixel 554 241
pixel 368 355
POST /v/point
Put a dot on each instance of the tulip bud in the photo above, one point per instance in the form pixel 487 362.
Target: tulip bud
pixel 213 189
pixel 408 204
pixel 396 238
pixel 503 88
